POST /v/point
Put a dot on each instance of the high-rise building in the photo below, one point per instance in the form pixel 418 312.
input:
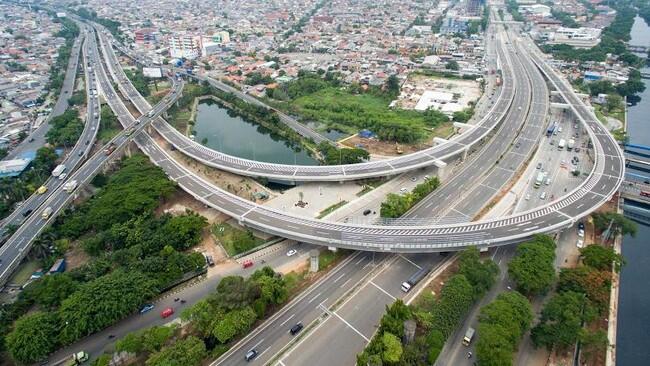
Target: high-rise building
pixel 185 46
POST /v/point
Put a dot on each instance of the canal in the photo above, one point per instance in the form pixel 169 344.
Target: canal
pixel 220 129
pixel 633 333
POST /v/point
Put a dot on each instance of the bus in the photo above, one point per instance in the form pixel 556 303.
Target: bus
pixel 644 193
pixel 551 129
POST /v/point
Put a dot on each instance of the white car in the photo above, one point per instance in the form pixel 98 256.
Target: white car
pixel 581 233
pixel 413 179
pixel 403 190
pixel 527 198
pixel 292 252
pixel 580 243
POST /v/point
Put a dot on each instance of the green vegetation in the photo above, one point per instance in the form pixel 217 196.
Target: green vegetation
pixel 331 209
pixel 464 115
pixel 255 78
pixel 66 129
pixel 436 318
pixel 397 205
pixel 134 256
pixel 111 25
pixel 582 297
pixel 189 351
pixel 532 268
pixel 337 156
pixel 69 31
pixel 235 241
pixel 145 340
pixel 77 98
pixel 620 225
pixel 109 126
pixel 501 325
pixel 513 9
pixel 139 82
pixel 16 189
pixel 351 108
pixel 566 18
pixel 297 28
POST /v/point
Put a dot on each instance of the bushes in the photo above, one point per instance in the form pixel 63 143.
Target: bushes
pixel 601 258
pixel 397 205
pixel 186 352
pixel 139 82
pixel 532 269
pixel 33 338
pixel 436 318
pixel 561 321
pixel 502 324
pixel 335 156
pixel 66 129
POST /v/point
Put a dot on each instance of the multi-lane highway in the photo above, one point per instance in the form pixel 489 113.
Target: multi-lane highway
pixel 436 155
pixel 37 139
pixel 18 245
pixel 416 237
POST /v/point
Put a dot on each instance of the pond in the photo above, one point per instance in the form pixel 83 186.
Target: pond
pixel 222 130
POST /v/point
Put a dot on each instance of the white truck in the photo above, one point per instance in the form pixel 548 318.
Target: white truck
pixel 58 170
pixel 469 335
pixel 70 186
pixel 414 279
pixel 571 144
pixel 46 213
pixel 561 144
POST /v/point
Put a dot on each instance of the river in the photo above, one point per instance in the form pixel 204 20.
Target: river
pixel 633 333
pixel 221 130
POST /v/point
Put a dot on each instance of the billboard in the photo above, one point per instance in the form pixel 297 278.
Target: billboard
pixel 152 72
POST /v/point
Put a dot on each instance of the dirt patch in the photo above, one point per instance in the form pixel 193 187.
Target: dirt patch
pixel 75 257
pixel 374 146
pixel 241 186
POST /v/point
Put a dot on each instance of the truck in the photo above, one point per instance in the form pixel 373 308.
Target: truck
pixel 109 149
pixel 571 144
pixel 70 186
pixel 469 334
pixel 540 179
pixel 414 279
pixel 76 359
pixel 561 144
pixel 58 266
pixel 58 170
pixel 46 213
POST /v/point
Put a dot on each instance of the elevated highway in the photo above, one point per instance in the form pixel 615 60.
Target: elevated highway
pixel 459 145
pixel 601 184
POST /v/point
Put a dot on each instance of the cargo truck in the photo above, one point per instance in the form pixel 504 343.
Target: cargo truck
pixel 70 186
pixel 46 213
pixel 109 149
pixel 414 279
pixel 571 144
pixel 540 179
pixel 58 170
pixel 469 335
pixel 76 359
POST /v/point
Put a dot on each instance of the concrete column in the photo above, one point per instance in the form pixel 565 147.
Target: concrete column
pixel 313 260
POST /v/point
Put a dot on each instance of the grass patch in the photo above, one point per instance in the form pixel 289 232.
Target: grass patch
pixel 24 272
pixel 345 111
pixel 328 257
pixel 109 126
pixel 233 240
pixel 331 209
pixel 618 113
pixel 294 281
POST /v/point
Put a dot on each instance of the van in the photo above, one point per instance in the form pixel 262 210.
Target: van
pixel 296 328
pixel 250 355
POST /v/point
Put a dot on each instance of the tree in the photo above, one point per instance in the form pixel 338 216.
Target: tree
pixel 532 268
pixel 481 274
pixel 452 65
pixel 392 85
pixel 395 205
pixel 593 283
pixel 146 340
pixel 601 258
pixel 33 337
pixel 50 291
pixel 233 323
pixel 613 102
pixel 392 348
pixel 620 225
pixel 186 352
pixel 561 321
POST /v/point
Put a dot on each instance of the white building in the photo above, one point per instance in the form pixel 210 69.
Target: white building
pixel 185 46
pixel 536 9
pixel 576 37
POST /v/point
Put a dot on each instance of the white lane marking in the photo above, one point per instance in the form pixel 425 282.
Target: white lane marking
pixel 346 282
pixel 314 298
pixel 359 261
pixel 382 290
pixel 289 318
pixel 410 261
pixel 346 323
pixel 339 277
pixel 258 343
pixel 530 228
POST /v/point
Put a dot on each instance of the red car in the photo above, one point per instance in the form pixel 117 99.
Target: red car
pixel 247 263
pixel 167 312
